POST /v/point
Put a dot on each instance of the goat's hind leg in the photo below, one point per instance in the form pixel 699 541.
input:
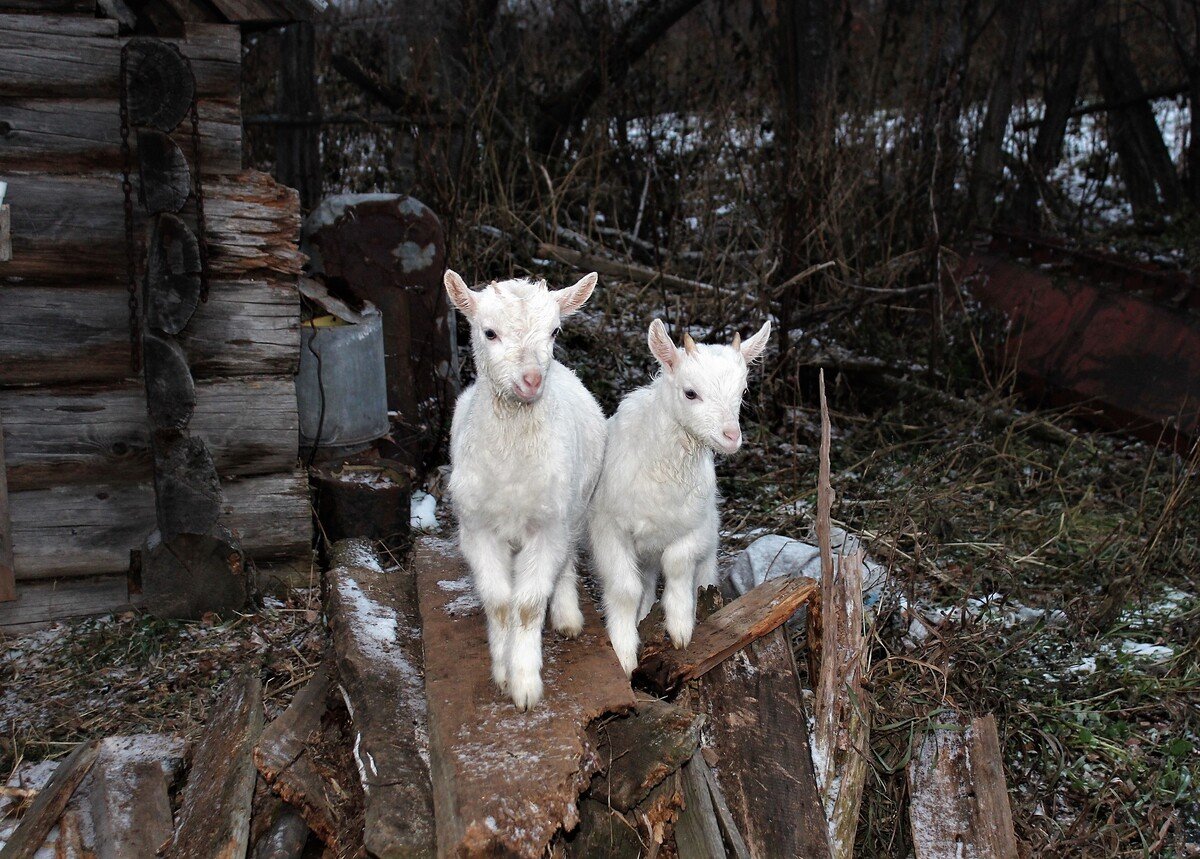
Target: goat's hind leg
pixel 490 560
pixel 565 616
pixel 616 563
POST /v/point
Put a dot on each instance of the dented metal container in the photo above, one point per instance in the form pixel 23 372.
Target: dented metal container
pixel 341 389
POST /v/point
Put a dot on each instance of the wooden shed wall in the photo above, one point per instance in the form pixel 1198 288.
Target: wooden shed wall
pixel 76 434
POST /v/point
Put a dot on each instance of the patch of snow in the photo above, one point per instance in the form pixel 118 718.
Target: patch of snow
pixel 423 512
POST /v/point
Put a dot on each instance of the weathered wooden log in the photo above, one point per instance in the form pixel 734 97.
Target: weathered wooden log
pixel 72 228
pixel 285 838
pixel 172 275
pixel 663 668
pixel 603 831
pixel 698 834
pixel 7 581
pixel 214 817
pixel 57 436
pixel 376 631
pixel 758 728
pixel 505 781
pixel 641 749
pixel 728 825
pixel 40 602
pixel 285 756
pixel 90 529
pixel 369 501
pixel 52 335
pixel 188 575
pixel 164 177
pixel 131 811
pixel 70 837
pixel 58 135
pixel 159 85
pixel 187 491
pixel 46 55
pixel 959 802
pixel 170 391
pixel 48 805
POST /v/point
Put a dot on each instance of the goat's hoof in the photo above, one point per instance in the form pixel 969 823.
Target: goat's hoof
pixel 680 638
pixel 500 677
pixel 628 659
pixel 569 624
pixel 526 692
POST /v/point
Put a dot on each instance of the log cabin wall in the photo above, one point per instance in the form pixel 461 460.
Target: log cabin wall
pixel 76 437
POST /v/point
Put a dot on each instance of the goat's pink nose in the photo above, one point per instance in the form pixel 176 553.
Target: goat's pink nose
pixel 532 380
pixel 732 433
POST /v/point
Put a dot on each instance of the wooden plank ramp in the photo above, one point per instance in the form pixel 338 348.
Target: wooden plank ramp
pixel 959 807
pixel 505 782
pixel 376 635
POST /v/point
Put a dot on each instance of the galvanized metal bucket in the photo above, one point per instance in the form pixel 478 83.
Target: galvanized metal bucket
pixel 341 389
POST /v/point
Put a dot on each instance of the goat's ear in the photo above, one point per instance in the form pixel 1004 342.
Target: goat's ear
pixel 460 295
pixel 573 297
pixel 752 348
pixel 662 347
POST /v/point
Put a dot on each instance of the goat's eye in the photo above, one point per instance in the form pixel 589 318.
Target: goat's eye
pixel 691 395
pixel 489 334
pixel 556 332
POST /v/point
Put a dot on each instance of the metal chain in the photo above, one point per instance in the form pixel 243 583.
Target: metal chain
pixel 135 352
pixel 201 231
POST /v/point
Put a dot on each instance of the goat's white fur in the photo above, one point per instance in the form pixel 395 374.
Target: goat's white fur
pixel 524 460
pixel 655 506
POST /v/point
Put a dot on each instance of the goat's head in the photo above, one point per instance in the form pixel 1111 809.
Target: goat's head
pixel 513 327
pixel 704 384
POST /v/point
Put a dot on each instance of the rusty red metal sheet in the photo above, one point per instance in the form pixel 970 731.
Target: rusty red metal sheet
pixel 1137 360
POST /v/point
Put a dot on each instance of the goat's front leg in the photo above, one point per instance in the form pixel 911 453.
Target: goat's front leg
pixel 679 563
pixel 537 566
pixel 490 559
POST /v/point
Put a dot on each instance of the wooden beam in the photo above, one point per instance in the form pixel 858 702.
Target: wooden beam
pixel 89 529
pixel 58 436
pixel 73 57
pixel 214 817
pixel 505 781
pixel 131 811
pixel 376 631
pixel 959 802
pixel 68 135
pixel 53 335
pixel 48 805
pixel 698 834
pixel 39 603
pixel 298 147
pixel 68 229
pixel 5 233
pixel 746 619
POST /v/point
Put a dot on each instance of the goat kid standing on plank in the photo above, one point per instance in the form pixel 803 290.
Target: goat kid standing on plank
pixel 655 506
pixel 525 451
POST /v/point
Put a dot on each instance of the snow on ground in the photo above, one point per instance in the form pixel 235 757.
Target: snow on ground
pixel 423 512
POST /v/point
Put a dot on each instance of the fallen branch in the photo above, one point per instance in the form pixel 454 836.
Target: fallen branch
pixel 48 806
pixel 624 270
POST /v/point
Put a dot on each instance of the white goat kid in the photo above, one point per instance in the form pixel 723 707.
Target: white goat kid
pixel 655 506
pixel 525 451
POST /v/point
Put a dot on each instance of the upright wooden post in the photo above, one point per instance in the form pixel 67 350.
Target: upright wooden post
pixel 298 143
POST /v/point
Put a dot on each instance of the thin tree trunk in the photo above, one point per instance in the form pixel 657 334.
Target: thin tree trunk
pixel 987 173
pixel 803 32
pixel 1060 99
pixel 1150 178
pixel 1189 58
